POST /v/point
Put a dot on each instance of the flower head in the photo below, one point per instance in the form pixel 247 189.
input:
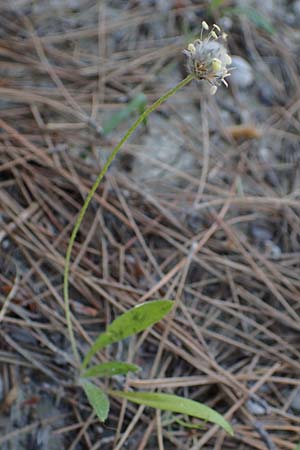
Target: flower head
pixel 207 58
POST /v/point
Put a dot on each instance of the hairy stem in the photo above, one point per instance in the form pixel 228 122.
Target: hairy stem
pixel 89 197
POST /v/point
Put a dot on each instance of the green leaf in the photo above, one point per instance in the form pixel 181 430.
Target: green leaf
pixel 131 322
pixel 137 104
pixel 97 398
pixel 216 3
pixel 168 402
pixel 110 368
pixel 189 425
pixel 258 19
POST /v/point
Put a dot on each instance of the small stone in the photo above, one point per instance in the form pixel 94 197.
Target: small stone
pixel 295 404
pixel 266 94
pixel 226 23
pixel 261 233
pixel 242 74
pixel 273 250
pixel 265 154
pixel 256 408
pixel 6 244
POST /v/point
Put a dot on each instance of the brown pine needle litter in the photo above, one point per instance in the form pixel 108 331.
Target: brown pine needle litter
pixel 202 207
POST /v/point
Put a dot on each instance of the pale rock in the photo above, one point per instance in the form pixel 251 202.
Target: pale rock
pixel 295 404
pixel 256 408
pixel 226 23
pixel 242 74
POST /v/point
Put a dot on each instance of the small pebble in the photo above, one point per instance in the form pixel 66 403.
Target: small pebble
pixel 265 154
pixel 266 94
pixel 6 244
pixel 256 408
pixel 273 250
pixel 242 74
pixel 261 233
pixel 295 404
pixel 226 23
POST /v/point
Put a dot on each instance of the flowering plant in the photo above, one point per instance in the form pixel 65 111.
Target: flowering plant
pixel 207 59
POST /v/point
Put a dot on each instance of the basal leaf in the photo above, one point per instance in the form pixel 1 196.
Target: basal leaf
pixel 168 402
pixel 97 398
pixel 137 104
pixel 109 369
pixel 131 322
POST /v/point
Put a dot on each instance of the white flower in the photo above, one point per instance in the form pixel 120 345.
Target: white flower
pixel 207 59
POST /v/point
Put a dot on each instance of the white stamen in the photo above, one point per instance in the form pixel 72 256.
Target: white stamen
pixel 191 48
pixel 228 59
pixel 205 26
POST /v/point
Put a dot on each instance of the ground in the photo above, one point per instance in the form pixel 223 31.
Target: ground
pixel 201 206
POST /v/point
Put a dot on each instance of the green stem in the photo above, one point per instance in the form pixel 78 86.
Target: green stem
pixel 89 198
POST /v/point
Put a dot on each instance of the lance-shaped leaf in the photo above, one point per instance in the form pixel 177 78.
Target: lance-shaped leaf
pixel 109 369
pixel 97 398
pixel 131 322
pixel 137 104
pixel 169 402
